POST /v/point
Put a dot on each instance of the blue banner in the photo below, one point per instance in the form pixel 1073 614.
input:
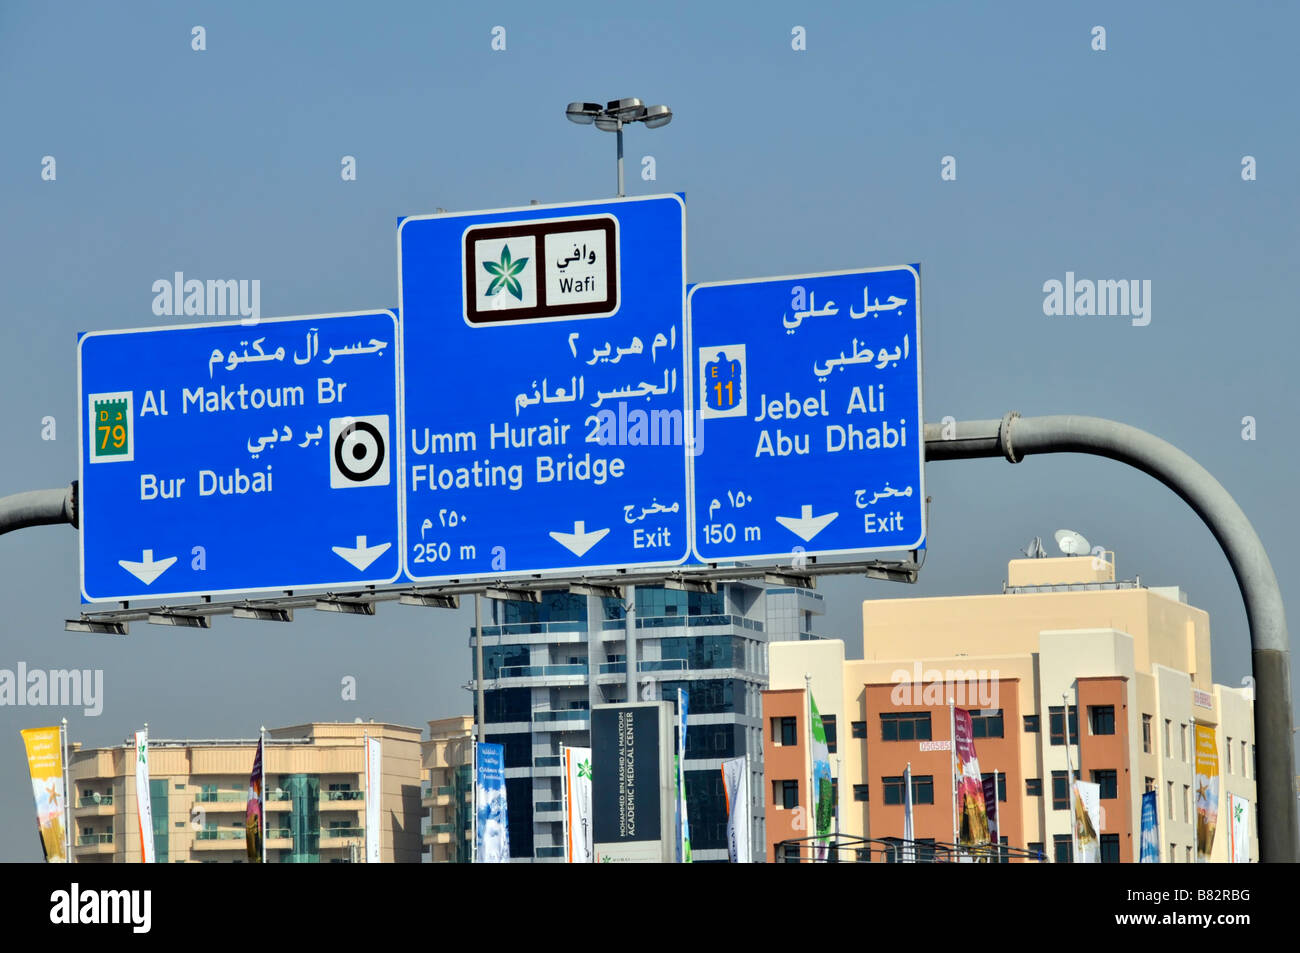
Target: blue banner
pixel 1150 830
pixel 491 831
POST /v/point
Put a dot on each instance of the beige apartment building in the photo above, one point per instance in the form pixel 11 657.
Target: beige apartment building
pixel 1064 660
pixel 315 797
pixel 447 795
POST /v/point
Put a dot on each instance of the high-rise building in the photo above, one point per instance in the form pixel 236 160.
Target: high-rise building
pixel 315 797
pixel 1065 662
pixel 546 664
pixel 447 791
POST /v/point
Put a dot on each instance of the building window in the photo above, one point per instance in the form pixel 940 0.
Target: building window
pixel 1060 791
pixel 1189 855
pixel 1056 725
pixel 1101 719
pixel 1031 723
pixel 986 725
pixel 1036 848
pixel 905 726
pixel 1173 857
pixel 858 729
pixel 1110 848
pixel 1150 784
pixel 1168 747
pixel 861 792
pixel 1033 787
pixel 1108 781
pixel 1182 739
pixel 922 789
pixel 1228 749
pixel 1170 801
pixel 1064 848
pixel 1187 796
pixel 785 794
pixel 1146 734
pixel 1002 783
pixel 828 726
pixel 785 731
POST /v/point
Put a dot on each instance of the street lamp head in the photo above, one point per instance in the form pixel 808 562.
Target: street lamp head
pixel 628 110
pixel 607 123
pixel 656 116
pixel 582 113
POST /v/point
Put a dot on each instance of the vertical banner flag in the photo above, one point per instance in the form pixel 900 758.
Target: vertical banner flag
pixel 1087 821
pixel 374 793
pixel 974 827
pixel 577 807
pixel 990 785
pixel 45 763
pixel 821 778
pixel 255 816
pixel 143 804
pixel 491 830
pixel 1238 830
pixel 1207 791
pixel 909 822
pixel 735 788
pixel 683 822
pixel 1150 830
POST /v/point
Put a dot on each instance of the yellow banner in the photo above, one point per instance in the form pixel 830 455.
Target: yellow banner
pixel 45 762
pixel 1207 791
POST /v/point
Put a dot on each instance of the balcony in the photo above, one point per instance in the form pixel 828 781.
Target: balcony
pixel 567 719
pixel 219 835
pixel 222 800
pixel 337 833
pixel 653 665
pixel 96 804
pixel 344 795
pixel 578 671
pixel 98 842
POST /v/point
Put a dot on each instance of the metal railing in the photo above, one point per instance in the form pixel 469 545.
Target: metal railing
pixel 345 795
pixel 864 850
pixel 90 840
pixel 94 800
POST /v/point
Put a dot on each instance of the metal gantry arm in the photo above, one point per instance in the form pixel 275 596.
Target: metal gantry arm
pixel 1015 437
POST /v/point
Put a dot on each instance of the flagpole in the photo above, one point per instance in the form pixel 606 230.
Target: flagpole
pixel 67 793
pixel 1069 769
pixel 261 807
pixel 811 813
pixel 473 776
pixel 137 801
pixel 952 770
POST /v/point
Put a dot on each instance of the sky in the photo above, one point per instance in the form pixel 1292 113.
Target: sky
pixel 1122 163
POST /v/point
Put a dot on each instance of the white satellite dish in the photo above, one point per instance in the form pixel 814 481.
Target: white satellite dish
pixel 1035 548
pixel 1071 543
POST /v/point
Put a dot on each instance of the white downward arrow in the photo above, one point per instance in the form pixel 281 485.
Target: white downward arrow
pixel 579 541
pixel 361 555
pixel 806 526
pixel 146 570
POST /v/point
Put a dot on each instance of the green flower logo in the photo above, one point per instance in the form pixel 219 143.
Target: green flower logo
pixel 584 769
pixel 504 274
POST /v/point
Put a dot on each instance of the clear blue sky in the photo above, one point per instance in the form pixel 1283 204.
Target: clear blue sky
pixel 225 163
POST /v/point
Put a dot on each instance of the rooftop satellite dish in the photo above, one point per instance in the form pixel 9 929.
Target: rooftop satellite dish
pixel 1035 548
pixel 1071 543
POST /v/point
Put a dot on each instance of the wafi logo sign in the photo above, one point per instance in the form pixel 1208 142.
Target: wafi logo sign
pixel 542 270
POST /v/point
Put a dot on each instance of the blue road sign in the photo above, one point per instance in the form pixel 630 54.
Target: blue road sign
pixel 545 388
pixel 238 458
pixel 808 391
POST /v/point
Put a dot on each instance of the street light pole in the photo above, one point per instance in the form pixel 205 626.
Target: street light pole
pixel 620 158
pixel 613 116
